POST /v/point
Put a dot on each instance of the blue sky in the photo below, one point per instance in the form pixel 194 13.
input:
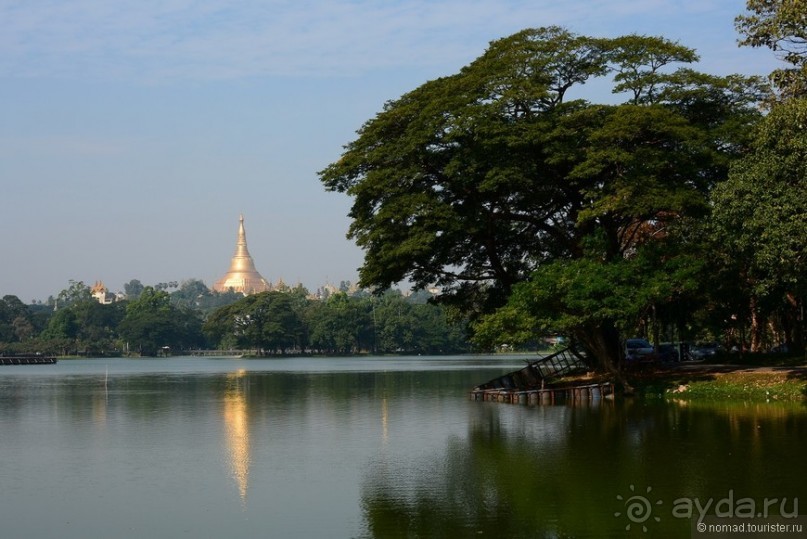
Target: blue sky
pixel 134 134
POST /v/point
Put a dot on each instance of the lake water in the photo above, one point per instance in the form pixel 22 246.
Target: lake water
pixel 367 447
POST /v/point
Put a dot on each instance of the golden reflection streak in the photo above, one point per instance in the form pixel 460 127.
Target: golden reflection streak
pixel 237 425
pixel 99 411
pixel 384 421
pixel 99 406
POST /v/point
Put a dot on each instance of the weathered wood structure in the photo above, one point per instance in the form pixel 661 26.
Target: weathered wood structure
pixel 549 395
pixel 533 383
pixel 27 360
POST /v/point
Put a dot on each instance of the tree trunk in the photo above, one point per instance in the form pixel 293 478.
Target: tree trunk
pixel 655 327
pixel 757 326
pixel 794 319
pixel 603 345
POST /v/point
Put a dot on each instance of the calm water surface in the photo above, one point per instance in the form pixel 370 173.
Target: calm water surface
pixel 369 447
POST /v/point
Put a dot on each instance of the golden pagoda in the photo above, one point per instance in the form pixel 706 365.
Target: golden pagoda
pixel 242 277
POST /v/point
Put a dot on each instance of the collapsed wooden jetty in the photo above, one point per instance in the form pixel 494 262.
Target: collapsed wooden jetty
pixel 533 383
pixel 27 360
pixel 550 395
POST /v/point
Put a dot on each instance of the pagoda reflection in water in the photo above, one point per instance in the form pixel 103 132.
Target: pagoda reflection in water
pixel 236 422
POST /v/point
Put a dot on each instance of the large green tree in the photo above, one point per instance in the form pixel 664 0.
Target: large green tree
pixel 760 219
pixel 411 325
pixel 133 289
pixel 780 25
pixel 16 323
pixel 268 322
pixel 75 293
pixel 190 294
pixel 474 181
pixel 151 324
pixel 341 325
pixel 82 325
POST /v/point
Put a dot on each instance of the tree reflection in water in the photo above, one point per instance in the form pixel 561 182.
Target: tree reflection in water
pixel 556 471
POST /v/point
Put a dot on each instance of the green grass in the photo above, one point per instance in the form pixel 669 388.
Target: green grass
pixel 748 385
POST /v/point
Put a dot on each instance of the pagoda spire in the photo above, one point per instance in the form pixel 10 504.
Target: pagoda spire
pixel 242 275
pixel 241 250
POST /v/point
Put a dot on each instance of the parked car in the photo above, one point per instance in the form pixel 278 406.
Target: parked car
pixel 637 350
pixel 668 353
pixel 704 350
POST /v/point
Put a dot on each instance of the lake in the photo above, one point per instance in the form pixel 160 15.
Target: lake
pixel 369 447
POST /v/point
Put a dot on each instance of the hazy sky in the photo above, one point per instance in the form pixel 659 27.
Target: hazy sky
pixel 134 134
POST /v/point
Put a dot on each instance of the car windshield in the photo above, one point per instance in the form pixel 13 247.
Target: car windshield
pixel 638 343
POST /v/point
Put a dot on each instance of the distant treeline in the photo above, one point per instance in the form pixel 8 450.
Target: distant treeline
pixel 151 321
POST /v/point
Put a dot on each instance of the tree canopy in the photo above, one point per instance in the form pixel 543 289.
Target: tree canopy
pixel 474 181
pixel 152 323
pixel 780 25
pixel 265 321
pixel 760 217
pixel 286 321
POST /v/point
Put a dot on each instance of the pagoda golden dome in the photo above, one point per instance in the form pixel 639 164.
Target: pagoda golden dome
pixel 242 276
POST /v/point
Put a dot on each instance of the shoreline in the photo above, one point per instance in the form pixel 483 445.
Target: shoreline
pixel 723 382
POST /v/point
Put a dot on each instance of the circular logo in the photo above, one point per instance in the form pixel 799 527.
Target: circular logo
pixel 638 508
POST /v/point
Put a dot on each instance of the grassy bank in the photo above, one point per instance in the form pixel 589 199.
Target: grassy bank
pixel 724 382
